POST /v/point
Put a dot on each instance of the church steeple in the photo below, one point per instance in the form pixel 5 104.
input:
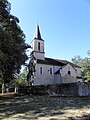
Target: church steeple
pixel 37 34
pixel 37 45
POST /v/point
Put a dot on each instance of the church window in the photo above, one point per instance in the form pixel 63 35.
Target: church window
pixel 69 73
pixel 40 70
pixel 39 46
pixel 50 71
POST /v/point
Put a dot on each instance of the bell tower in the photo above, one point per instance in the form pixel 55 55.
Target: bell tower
pixel 37 45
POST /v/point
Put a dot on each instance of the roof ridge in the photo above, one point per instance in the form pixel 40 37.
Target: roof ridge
pixel 64 62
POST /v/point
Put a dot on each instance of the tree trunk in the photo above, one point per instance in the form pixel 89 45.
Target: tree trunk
pixel 16 89
pixel 3 88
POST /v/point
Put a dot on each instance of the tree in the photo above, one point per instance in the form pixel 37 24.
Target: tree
pixel 84 63
pixel 21 79
pixel 31 69
pixel 77 60
pixel 12 44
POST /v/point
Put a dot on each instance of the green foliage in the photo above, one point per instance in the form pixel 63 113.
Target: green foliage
pixel 12 43
pixel 21 79
pixel 85 64
pixel 77 60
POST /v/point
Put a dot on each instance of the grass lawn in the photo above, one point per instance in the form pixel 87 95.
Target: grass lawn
pixel 44 108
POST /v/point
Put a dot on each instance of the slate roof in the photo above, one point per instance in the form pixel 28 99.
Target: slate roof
pixel 37 34
pixel 57 62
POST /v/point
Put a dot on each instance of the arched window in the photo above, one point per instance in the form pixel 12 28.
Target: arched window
pixel 41 70
pixel 50 71
pixel 39 46
pixel 69 73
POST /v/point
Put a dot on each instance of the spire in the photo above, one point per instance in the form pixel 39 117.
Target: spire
pixel 37 34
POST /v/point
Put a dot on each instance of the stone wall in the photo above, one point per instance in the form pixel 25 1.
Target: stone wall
pixel 73 89
pixel 65 89
pixel 84 89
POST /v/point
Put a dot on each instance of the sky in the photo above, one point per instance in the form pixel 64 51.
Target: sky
pixel 64 25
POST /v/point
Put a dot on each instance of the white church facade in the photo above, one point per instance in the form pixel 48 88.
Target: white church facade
pixel 52 71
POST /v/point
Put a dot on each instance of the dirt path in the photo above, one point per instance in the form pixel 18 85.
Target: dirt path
pixel 7 94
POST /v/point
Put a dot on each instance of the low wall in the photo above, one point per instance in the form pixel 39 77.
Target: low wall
pixel 65 89
pixel 84 89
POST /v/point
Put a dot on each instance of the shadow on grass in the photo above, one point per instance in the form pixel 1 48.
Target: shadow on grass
pixel 83 117
pixel 33 107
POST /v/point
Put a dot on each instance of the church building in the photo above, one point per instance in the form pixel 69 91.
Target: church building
pixel 51 71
